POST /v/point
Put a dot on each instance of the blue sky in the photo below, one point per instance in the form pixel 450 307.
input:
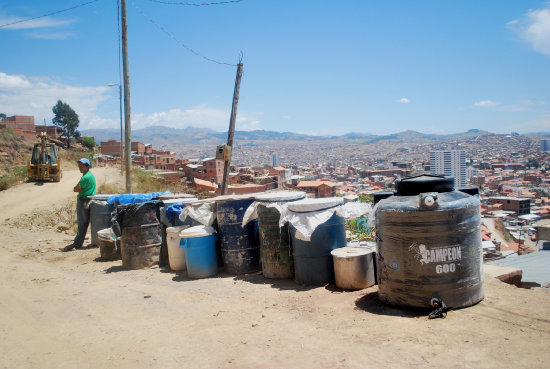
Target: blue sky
pixel 318 67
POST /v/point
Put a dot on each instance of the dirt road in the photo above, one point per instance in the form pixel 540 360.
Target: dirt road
pixel 70 310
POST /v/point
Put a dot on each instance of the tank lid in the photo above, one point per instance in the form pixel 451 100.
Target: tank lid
pixel 281 196
pixel 169 196
pixel 99 197
pixel 351 252
pixel 197 231
pixel 180 201
pixel 232 197
pixel 177 229
pixel 411 186
pixel 307 205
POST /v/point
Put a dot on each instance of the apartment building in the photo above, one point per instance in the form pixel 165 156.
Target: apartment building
pixel 449 163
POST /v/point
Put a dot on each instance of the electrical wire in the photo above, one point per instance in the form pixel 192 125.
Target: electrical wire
pixel 47 15
pixel 195 4
pixel 178 41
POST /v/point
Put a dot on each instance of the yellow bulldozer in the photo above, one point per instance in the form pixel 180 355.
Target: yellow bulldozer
pixel 45 164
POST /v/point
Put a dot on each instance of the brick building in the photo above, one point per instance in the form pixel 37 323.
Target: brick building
pixel 518 205
pixel 319 188
pixel 23 125
pixel 111 147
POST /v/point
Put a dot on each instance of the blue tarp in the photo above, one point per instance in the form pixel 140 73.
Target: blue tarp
pixel 173 212
pixel 134 198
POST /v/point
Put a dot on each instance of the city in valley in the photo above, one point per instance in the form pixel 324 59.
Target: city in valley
pixel 510 171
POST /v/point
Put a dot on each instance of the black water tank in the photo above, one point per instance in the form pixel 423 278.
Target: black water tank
pixel 429 244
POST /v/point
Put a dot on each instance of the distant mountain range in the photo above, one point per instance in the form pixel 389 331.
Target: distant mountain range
pixel 161 135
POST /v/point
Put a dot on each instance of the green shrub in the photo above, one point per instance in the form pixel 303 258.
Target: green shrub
pixel 88 142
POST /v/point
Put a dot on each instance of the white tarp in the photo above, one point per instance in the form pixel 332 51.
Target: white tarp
pixel 277 200
pixel 306 223
pixel 203 212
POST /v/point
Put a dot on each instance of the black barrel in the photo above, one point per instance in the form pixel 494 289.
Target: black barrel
pixel 141 239
pixel 140 246
pixel 239 245
pixel 275 246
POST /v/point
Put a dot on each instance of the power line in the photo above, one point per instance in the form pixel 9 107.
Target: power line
pixel 195 4
pixel 47 15
pixel 178 41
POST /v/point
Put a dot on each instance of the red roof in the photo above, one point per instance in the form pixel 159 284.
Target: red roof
pixel 317 183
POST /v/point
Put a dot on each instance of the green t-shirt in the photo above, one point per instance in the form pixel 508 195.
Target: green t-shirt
pixel 87 184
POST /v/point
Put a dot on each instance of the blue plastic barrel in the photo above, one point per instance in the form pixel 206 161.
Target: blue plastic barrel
pixel 240 245
pixel 313 263
pixel 200 251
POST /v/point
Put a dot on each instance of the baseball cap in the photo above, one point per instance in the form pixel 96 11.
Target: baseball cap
pixel 85 162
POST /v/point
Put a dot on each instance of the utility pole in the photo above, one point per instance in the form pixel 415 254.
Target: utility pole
pixel 121 132
pixel 227 161
pixel 126 74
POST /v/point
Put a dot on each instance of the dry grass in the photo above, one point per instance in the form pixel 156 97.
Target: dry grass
pixel 62 216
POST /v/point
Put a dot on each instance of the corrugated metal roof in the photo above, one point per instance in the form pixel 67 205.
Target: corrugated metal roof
pixel 535 266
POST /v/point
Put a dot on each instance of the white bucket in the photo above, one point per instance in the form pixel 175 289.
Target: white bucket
pixel 176 255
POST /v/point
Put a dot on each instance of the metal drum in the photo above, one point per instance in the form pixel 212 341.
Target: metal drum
pixel 100 216
pixel 141 239
pixel 275 246
pixel 353 267
pixel 429 244
pixel 239 245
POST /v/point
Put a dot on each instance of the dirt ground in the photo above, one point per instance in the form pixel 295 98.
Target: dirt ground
pixel 70 310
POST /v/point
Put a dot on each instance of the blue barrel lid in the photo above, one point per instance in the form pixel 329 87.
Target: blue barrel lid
pixel 280 196
pixel 307 205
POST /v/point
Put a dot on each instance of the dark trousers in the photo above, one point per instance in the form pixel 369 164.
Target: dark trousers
pixel 82 220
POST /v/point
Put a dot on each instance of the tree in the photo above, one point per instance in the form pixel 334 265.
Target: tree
pixel 88 142
pixel 2 117
pixel 66 118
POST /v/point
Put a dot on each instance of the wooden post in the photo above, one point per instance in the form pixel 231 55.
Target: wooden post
pixel 231 133
pixel 126 76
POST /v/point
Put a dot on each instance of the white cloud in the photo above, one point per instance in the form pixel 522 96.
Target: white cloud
pixel 250 126
pixel 536 29
pixel 486 104
pixel 404 100
pixel 512 22
pixel 36 96
pixel 98 106
pixel 286 116
pixel 35 23
pixel 200 116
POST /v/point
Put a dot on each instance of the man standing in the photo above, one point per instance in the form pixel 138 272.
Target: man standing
pixel 85 188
